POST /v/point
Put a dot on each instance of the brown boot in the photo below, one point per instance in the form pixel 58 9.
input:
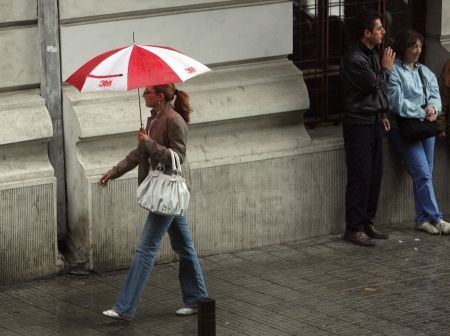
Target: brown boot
pixel 358 238
pixel 374 233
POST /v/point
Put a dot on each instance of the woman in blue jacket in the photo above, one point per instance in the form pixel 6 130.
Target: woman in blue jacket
pixel 413 92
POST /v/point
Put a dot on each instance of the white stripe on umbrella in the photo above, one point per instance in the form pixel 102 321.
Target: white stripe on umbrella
pixel 111 74
pixel 184 66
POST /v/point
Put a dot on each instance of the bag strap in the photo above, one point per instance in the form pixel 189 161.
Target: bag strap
pixel 176 166
pixel 175 160
pixel 424 88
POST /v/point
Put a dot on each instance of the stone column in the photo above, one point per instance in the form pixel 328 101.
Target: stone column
pixel 48 24
pixel 28 244
pixel 438 34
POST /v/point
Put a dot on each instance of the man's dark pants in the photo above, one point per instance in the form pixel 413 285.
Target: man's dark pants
pixel 364 157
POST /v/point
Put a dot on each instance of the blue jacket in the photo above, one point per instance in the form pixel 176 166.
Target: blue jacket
pixel 405 91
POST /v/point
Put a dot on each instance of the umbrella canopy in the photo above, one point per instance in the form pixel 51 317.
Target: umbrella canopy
pixel 135 66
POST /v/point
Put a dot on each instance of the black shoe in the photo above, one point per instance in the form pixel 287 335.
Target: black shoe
pixel 358 238
pixel 374 233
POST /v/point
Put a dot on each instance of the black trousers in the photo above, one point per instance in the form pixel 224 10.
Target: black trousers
pixel 364 158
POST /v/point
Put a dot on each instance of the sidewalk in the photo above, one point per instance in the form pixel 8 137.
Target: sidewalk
pixel 322 286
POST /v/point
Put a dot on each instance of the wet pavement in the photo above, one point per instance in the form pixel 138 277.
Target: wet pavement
pixel 322 286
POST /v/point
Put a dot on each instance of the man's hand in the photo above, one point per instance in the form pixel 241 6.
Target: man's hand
pixel 386 124
pixel 387 61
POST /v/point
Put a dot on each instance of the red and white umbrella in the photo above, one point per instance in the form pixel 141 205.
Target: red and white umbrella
pixel 135 66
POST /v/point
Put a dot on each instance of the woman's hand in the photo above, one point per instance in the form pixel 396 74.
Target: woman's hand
pixel 142 136
pixel 104 179
pixel 430 113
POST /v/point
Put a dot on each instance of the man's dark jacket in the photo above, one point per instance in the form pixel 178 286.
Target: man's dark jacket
pixel 364 85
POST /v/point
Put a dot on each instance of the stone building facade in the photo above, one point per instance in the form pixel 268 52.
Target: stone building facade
pixel 259 177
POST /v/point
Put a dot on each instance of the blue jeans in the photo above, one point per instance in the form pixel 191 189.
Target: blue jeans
pixel 418 158
pixel 190 274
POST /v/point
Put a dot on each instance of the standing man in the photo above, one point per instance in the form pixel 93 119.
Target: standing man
pixel 364 83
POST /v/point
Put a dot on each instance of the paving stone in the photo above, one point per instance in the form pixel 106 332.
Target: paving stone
pixel 319 287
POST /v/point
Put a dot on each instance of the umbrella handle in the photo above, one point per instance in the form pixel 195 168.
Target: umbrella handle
pixel 139 100
pixel 140 109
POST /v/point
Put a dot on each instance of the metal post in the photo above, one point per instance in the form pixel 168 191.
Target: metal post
pixel 207 317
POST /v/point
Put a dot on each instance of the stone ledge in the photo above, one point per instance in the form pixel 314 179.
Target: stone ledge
pixel 87 11
pixel 25 133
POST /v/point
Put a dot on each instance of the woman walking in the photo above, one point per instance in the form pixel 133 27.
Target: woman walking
pixel 166 129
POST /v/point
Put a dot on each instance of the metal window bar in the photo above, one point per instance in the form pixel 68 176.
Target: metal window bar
pixel 321 36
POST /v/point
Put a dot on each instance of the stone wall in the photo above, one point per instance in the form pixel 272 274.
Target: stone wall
pixel 28 247
pixel 258 177
pixel 27 189
pixel 248 110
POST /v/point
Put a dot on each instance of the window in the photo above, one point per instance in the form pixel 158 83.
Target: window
pixel 321 35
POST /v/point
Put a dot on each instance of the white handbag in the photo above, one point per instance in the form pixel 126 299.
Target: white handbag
pixel 164 194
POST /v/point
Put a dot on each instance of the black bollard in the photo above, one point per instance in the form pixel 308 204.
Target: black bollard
pixel 207 317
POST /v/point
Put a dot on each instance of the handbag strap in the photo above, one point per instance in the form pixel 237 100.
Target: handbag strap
pixel 424 88
pixel 175 160
pixel 176 166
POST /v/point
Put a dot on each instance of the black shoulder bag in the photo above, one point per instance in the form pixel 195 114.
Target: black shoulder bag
pixel 414 129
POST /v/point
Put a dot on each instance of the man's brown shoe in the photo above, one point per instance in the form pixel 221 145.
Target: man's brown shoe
pixel 358 238
pixel 374 233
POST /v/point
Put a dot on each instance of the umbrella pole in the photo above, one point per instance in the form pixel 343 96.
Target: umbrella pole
pixel 139 100
pixel 140 109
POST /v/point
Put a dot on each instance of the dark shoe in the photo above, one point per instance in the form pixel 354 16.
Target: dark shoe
pixel 374 233
pixel 358 238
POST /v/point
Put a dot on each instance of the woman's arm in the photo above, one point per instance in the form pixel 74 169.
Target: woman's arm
pixel 177 139
pixel 127 164
pixel 398 103
pixel 434 97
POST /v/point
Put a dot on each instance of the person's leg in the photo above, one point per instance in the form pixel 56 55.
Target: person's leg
pixel 154 230
pixel 377 173
pixel 418 159
pixel 431 207
pixel 358 144
pixel 358 154
pixel 190 273
pixel 375 183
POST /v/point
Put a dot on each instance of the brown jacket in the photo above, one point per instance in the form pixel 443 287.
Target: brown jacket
pixel 444 88
pixel 169 130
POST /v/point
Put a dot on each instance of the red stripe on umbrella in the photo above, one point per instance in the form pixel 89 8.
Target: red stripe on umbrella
pixel 148 68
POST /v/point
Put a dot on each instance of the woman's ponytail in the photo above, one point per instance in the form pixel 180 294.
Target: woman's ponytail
pixel 181 103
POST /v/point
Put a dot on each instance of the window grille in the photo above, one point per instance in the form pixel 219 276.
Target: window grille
pixel 321 35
